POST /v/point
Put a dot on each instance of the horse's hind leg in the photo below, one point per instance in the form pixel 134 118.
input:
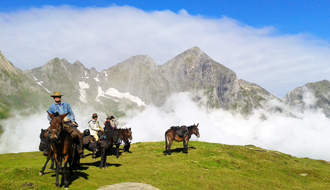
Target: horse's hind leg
pixel 168 148
pixel 185 147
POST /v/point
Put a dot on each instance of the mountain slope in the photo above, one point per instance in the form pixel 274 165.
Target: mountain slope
pixel 18 90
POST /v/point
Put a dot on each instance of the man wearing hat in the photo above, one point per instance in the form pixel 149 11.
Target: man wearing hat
pixel 70 125
pixel 94 126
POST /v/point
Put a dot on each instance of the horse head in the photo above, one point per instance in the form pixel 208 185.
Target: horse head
pixel 42 145
pixel 56 125
pixel 129 133
pixel 196 130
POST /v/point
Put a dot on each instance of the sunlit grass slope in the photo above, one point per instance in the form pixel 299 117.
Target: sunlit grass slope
pixel 207 166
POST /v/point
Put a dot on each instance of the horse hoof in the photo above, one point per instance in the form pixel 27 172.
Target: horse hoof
pixel 66 188
pixel 41 174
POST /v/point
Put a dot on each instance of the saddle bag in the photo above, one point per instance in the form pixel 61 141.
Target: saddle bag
pixel 86 140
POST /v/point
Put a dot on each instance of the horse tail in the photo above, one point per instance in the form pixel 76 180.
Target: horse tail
pixel 166 140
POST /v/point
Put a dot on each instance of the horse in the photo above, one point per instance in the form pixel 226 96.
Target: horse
pixel 62 146
pixel 42 147
pixel 126 136
pixel 171 135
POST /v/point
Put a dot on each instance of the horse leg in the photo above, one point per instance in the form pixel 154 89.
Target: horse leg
pixel 117 150
pixel 126 147
pixel 103 153
pixel 185 146
pixel 43 168
pixel 58 166
pixel 52 163
pixel 169 147
pixel 66 185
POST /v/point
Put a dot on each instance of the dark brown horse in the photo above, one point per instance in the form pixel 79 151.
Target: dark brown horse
pixel 171 135
pixel 42 147
pixel 61 146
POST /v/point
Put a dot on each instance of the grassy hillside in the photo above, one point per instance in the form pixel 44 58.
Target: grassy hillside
pixel 207 166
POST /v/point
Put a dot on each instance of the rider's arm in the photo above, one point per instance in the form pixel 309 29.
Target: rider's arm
pixel 71 114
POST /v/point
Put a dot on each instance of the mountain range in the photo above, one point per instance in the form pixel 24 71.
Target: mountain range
pixel 139 82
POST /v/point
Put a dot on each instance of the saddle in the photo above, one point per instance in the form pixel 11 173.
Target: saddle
pixel 180 131
pixel 88 139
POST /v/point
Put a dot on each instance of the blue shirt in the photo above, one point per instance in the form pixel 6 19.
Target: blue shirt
pixel 60 109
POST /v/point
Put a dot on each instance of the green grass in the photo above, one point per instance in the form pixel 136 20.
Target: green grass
pixel 207 166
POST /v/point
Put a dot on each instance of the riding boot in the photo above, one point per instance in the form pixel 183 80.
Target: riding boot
pixel 47 149
pixel 80 147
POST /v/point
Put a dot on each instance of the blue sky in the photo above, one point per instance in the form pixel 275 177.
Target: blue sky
pixel 271 44
pixel 294 16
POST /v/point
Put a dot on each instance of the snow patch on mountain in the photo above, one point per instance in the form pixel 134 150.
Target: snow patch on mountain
pixel 40 84
pixel 114 93
pixel 97 78
pixel 82 87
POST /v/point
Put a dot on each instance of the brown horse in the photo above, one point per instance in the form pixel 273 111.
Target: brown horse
pixel 126 136
pixel 171 135
pixel 61 146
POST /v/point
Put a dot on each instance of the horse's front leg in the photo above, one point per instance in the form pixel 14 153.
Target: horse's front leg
pixel 66 184
pixel 117 150
pixel 57 171
pixel 43 168
pixel 103 154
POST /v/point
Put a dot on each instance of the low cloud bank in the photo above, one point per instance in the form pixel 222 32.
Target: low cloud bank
pixel 303 136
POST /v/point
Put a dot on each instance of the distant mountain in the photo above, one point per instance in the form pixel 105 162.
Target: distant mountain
pixel 312 96
pixel 133 84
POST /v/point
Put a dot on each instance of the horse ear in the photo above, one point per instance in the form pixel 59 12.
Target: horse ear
pixel 197 124
pixel 50 115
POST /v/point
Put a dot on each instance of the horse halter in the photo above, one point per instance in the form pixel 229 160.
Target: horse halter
pixel 56 132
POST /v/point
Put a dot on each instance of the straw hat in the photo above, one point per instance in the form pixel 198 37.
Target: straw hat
pixel 56 94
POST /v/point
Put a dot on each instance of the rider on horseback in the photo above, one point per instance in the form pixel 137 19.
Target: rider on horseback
pixel 94 126
pixel 110 125
pixel 60 108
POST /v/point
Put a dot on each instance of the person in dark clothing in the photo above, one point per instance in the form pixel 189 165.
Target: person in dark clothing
pixel 107 125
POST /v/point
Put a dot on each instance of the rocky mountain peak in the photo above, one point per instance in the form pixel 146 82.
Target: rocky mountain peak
pixel 5 65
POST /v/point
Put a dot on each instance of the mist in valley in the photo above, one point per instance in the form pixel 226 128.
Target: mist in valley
pixel 305 135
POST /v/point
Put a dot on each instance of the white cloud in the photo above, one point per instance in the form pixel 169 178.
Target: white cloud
pixel 103 37
pixel 303 136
